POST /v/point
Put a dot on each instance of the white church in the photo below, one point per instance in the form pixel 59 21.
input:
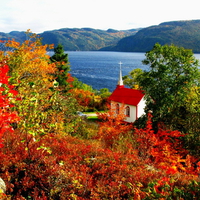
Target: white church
pixel 131 100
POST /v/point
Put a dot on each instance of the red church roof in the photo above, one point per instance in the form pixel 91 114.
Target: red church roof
pixel 126 95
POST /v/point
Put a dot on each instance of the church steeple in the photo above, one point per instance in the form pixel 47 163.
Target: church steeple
pixel 120 81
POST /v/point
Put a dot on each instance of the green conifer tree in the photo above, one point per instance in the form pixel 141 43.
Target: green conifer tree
pixel 61 60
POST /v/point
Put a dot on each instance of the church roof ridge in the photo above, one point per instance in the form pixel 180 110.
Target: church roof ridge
pixel 127 96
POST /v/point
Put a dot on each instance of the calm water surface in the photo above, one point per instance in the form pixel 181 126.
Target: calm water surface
pixel 101 69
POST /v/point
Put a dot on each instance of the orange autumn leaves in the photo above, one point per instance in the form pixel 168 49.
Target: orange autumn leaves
pixel 164 149
pixel 32 75
pixel 29 60
pixel 83 97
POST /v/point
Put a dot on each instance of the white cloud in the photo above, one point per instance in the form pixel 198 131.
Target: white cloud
pixel 41 15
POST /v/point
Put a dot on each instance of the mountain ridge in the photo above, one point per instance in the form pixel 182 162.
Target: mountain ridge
pixel 76 39
pixel 184 33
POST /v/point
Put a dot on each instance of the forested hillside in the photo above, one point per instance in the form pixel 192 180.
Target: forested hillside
pixel 180 33
pixel 75 39
pixel 85 39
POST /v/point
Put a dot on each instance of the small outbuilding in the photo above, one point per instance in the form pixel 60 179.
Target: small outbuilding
pixel 131 100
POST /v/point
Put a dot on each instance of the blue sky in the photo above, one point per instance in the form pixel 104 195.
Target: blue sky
pixel 42 15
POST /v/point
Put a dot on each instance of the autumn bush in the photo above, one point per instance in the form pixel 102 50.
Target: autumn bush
pixel 7 116
pixel 65 167
pixel 89 100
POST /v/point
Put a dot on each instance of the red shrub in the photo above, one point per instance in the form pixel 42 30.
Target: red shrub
pixel 164 149
pixel 7 93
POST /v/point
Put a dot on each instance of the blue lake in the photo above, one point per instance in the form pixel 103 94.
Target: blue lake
pixel 101 69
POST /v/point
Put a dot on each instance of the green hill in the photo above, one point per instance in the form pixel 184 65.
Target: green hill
pixel 83 39
pixel 180 33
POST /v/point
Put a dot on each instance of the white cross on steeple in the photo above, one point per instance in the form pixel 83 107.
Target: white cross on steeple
pixel 120 81
pixel 120 64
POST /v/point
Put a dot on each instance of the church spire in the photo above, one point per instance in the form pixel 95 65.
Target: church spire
pixel 120 81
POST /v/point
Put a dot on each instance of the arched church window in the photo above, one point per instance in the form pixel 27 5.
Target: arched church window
pixel 117 108
pixel 128 111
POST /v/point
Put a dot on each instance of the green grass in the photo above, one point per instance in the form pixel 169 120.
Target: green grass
pixel 93 118
pixel 94 112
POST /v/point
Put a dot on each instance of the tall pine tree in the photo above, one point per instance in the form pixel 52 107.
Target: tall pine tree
pixel 61 60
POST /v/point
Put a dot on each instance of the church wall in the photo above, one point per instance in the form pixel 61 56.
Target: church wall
pixel 141 107
pixel 133 110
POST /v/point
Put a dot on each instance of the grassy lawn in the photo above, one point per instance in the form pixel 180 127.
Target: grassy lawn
pixel 93 118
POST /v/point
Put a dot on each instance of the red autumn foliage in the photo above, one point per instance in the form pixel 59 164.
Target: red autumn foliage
pixel 6 115
pixel 56 167
pixel 164 149
pixel 84 98
pixel 112 127
pixel 60 167
pixel 70 80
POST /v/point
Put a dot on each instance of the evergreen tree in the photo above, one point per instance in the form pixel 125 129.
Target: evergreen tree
pixel 61 60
